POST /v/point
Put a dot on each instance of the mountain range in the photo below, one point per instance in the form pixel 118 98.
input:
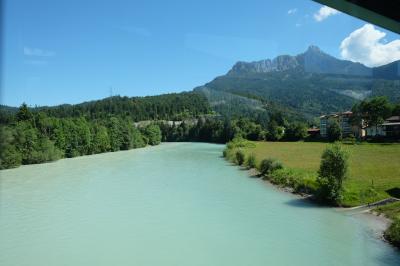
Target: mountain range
pixel 301 87
pixel 308 85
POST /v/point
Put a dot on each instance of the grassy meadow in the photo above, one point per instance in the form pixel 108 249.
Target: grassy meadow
pixel 373 168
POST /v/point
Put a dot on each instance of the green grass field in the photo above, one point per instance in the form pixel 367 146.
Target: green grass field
pixel 373 168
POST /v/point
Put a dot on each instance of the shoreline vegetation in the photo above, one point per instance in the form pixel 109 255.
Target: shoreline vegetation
pixel 306 183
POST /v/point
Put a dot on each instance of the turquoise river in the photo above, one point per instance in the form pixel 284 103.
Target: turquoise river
pixel 172 204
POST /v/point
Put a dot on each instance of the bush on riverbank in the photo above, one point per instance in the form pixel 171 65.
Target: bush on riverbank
pixel 271 169
pixel 299 181
pixel 251 161
pixel 392 211
pixel 234 150
pixel 269 165
pixel 392 234
pixel 240 157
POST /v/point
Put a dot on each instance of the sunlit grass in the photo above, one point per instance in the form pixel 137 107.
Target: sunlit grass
pixel 373 168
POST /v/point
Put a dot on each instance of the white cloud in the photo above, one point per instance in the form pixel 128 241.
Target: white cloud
pixel 292 11
pixel 38 52
pixel 366 45
pixel 325 12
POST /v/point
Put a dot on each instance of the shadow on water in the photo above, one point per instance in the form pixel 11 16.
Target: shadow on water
pixel 394 192
pixel 303 203
pixel 255 176
pixel 389 259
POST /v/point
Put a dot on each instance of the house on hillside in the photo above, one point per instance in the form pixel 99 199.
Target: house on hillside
pixel 344 121
pixel 313 132
pixel 390 128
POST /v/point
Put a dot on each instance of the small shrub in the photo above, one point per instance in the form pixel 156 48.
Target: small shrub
pixel 276 165
pixel 368 195
pixel 251 161
pixel 349 140
pixel 270 165
pixel 299 181
pixel 225 152
pixel 240 142
pixel 231 155
pixel 240 157
pixel 265 165
pixel 392 234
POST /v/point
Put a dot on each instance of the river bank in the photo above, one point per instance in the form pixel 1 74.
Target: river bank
pixel 378 221
pixel 293 166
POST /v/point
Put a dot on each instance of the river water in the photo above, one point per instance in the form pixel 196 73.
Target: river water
pixel 173 204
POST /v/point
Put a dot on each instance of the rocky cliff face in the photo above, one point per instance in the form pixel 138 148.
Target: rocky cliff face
pixel 280 63
pixel 314 60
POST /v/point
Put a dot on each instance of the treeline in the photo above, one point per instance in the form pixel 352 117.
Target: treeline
pixel 219 130
pixel 374 111
pixel 42 134
pixel 37 138
pixel 174 106
pixel 33 136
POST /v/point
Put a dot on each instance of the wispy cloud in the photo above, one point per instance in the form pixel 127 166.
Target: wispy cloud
pixel 367 45
pixel 28 51
pixel 292 11
pixel 325 12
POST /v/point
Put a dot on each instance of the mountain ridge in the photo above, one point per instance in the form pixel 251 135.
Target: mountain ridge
pixel 314 60
pixel 308 84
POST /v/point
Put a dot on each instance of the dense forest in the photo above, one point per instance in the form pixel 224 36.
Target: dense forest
pixel 41 134
pixel 35 137
pixel 174 106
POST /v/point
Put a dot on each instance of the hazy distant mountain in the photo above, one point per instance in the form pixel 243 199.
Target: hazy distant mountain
pixel 309 84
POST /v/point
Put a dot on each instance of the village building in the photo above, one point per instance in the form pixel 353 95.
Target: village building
pixel 313 132
pixel 390 128
pixel 344 121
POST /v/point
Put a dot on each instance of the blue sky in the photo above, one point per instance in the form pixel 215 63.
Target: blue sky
pixel 58 52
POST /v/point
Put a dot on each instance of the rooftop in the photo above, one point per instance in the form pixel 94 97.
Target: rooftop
pixel 391 124
pixel 346 113
pixel 395 118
